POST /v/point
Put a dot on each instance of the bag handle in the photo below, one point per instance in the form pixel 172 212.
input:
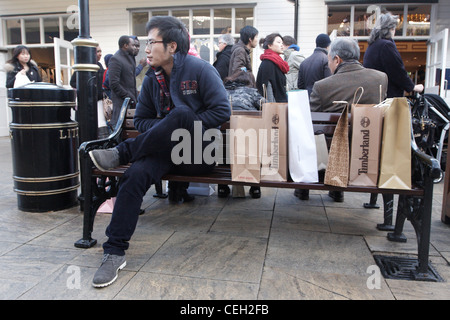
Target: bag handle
pixel 359 98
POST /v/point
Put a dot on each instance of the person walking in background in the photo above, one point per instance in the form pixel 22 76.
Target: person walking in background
pixel 294 58
pixel 382 55
pixel 271 78
pixel 106 88
pixel 222 63
pixel 122 76
pixel 142 67
pixel 21 63
pixel 240 52
pixel 315 67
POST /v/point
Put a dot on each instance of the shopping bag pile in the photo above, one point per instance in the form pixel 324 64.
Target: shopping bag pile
pixel 279 144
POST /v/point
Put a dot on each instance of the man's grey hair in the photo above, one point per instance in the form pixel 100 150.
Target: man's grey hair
pixel 384 24
pixel 227 38
pixel 346 48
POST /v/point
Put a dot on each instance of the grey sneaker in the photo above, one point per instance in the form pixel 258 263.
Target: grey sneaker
pixel 105 159
pixel 107 273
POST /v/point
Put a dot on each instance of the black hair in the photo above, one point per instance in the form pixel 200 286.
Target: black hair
pixel 170 29
pixel 269 40
pixel 123 40
pixel 17 51
pixel 288 40
pixel 247 33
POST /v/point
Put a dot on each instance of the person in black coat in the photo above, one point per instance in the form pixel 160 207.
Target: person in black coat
pixel 21 62
pixel 122 77
pixel 382 55
pixel 315 67
pixel 222 63
pixel 271 78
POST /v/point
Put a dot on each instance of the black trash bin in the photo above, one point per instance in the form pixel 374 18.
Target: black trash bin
pixel 44 142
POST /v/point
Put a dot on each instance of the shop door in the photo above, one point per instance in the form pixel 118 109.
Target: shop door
pixel 63 61
pixel 436 67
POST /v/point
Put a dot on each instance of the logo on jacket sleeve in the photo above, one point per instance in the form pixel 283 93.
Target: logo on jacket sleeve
pixel 189 87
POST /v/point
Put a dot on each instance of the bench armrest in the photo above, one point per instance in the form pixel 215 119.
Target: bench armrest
pixel 431 162
pixel 113 139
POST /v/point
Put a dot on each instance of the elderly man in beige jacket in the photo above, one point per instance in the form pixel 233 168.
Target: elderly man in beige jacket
pixel 347 76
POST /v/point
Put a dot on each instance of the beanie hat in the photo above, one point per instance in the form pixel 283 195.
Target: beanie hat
pixel 323 40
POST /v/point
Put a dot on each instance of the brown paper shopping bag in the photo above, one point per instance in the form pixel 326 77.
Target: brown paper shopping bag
pixel 245 149
pixel 367 126
pixel 274 154
pixel 395 161
pixel 338 157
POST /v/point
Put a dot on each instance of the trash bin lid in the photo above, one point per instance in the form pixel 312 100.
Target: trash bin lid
pixel 42 91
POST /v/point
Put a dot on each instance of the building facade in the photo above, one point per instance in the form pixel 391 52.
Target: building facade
pixel 37 24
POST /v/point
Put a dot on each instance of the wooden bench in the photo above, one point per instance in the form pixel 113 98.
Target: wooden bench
pixel 414 205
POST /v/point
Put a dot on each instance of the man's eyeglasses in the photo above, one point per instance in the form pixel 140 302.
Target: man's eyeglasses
pixel 150 43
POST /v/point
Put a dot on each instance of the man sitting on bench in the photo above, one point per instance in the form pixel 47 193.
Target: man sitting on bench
pixel 347 76
pixel 177 91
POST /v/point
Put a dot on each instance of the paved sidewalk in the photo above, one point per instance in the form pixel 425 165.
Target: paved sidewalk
pixel 276 247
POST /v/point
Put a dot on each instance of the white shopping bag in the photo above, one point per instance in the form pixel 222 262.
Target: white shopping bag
pixel 302 144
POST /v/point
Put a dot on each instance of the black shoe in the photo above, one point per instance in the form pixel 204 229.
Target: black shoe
pixel 255 192
pixel 337 196
pixel 223 190
pixel 178 193
pixel 302 194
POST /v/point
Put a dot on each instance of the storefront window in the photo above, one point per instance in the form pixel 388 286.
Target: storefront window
pixel 204 24
pixel 339 20
pixel 70 31
pixel 139 21
pixel 418 20
pixel 361 22
pixel 51 29
pixel 364 21
pixel 244 17
pixel 222 21
pixel 32 30
pixel 183 15
pixel 201 22
pixel 13 34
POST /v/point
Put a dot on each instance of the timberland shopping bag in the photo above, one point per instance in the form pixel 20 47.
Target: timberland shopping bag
pixel 245 149
pixel 367 126
pixel 274 156
pixel 338 157
pixel 395 166
pixel 301 141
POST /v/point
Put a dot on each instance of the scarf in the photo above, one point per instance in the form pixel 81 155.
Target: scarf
pixel 275 58
pixel 166 103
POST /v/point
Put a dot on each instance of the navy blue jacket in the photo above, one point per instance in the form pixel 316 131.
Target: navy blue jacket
pixel 193 83
pixel 312 69
pixel 383 55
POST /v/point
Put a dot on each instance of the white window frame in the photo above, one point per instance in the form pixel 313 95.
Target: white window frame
pixel 41 18
pixel 433 16
pixel 213 46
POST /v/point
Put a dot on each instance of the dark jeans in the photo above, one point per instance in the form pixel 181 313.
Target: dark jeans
pixel 150 157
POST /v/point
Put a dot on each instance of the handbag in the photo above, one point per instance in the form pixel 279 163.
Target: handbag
pixel 107 107
pixel 21 80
